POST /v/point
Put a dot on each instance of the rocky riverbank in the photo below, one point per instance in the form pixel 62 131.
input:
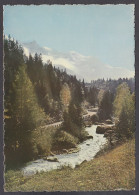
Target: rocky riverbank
pixel 69 157
pixel 112 171
pixel 108 129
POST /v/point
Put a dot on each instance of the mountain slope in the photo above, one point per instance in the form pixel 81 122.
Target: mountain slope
pixel 86 67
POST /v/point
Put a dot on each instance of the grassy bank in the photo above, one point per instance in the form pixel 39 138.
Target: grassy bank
pixel 113 170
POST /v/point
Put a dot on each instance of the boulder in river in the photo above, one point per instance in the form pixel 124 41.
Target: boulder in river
pixel 88 125
pixel 99 123
pixel 73 150
pixel 86 137
pixel 77 166
pixel 108 121
pixel 44 158
pixel 89 137
pixel 52 159
pixel 102 129
pixel 65 150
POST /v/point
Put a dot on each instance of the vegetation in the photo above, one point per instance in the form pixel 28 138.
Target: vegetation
pixel 64 140
pixel 105 106
pixel 112 84
pixel 113 171
pixel 92 95
pixel 39 95
pixel 42 141
pixel 124 110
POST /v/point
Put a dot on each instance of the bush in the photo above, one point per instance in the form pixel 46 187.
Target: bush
pixel 42 141
pixel 64 140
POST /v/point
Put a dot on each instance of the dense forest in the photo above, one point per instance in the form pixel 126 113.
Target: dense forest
pixel 112 84
pixel 38 94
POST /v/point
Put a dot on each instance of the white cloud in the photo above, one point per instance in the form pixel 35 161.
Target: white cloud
pixel 26 51
pixel 47 48
pixel 59 61
pixel 86 67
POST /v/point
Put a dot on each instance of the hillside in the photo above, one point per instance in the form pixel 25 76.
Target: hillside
pixel 113 170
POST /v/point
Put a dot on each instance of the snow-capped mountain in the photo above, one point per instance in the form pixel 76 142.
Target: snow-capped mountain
pixel 87 67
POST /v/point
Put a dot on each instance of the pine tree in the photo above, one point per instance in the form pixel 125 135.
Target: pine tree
pixel 25 116
pixel 105 107
pixel 123 128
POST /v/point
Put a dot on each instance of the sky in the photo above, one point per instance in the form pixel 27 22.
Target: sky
pixel 102 31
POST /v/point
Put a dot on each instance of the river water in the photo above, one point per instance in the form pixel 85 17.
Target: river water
pixel 88 149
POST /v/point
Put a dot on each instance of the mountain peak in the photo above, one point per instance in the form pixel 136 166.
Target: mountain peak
pixel 87 67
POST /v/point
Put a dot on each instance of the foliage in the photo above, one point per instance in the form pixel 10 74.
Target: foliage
pixel 35 94
pixel 112 84
pixel 100 95
pixel 105 107
pixel 112 171
pixel 124 110
pixel 65 96
pixel 64 139
pixel 92 96
pixel 25 115
pixel 42 141
pixel 73 122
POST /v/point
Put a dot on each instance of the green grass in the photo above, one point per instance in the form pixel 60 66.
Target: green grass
pixel 111 171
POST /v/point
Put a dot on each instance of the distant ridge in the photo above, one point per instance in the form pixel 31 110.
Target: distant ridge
pixel 87 67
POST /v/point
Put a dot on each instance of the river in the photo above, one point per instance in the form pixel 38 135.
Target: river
pixel 88 149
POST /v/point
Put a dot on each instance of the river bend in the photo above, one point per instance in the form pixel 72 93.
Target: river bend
pixel 88 149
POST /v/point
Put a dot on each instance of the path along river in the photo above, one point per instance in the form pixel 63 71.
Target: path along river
pixel 88 150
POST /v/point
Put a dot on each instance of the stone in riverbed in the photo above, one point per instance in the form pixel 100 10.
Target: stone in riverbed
pixel 89 137
pixel 44 158
pixel 108 121
pixel 89 125
pixel 99 123
pixel 73 150
pixel 51 159
pixel 65 150
pixel 77 166
pixel 102 129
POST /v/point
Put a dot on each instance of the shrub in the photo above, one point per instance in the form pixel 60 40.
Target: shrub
pixel 64 140
pixel 42 141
